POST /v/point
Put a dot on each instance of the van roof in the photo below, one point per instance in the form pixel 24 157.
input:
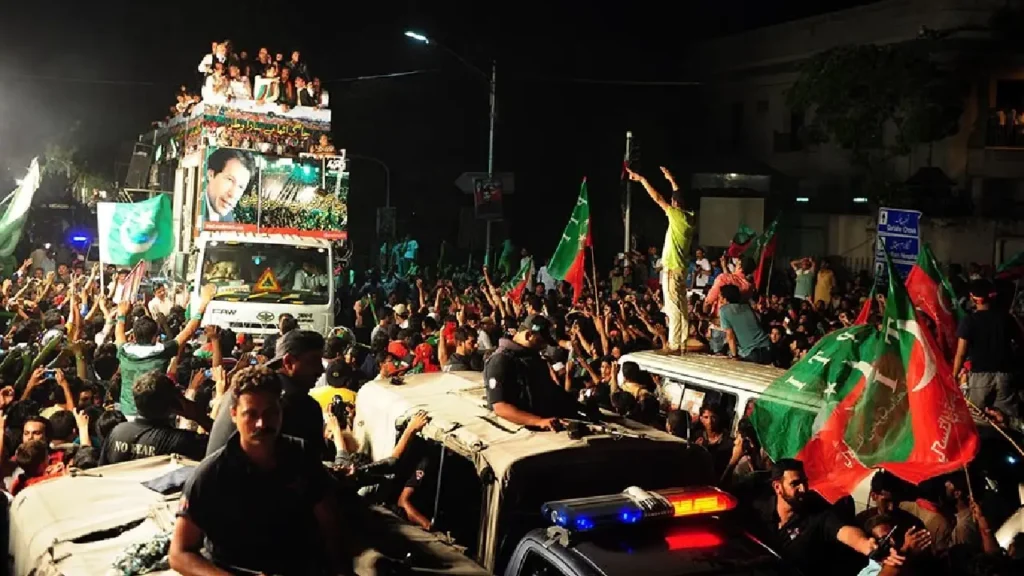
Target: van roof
pixel 460 418
pixel 711 371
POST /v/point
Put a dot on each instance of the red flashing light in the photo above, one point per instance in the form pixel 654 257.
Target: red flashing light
pixel 703 501
pixel 690 539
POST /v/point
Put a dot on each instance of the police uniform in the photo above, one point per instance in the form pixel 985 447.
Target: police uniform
pixel 519 376
pixel 255 519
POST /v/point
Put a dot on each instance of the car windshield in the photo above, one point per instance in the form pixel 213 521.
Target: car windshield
pixel 255 272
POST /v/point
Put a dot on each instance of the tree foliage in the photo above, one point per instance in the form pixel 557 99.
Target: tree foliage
pixel 856 92
pixel 65 168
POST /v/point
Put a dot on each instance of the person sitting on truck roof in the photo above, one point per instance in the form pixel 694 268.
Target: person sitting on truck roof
pixel 519 384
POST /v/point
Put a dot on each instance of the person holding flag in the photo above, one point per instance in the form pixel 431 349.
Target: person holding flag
pixel 674 256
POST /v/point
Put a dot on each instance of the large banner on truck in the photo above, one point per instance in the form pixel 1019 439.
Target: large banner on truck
pixel 248 191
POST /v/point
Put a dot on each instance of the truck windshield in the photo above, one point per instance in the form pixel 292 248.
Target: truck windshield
pixel 256 272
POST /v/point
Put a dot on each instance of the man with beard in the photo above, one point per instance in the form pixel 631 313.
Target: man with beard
pixel 262 503
pixel 802 528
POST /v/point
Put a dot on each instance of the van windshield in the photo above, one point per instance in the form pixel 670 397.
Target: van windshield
pixel 258 272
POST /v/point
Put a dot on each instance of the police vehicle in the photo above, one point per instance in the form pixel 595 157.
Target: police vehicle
pixel 494 476
pixel 673 532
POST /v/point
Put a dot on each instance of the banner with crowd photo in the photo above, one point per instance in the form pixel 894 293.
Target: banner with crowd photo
pixel 248 191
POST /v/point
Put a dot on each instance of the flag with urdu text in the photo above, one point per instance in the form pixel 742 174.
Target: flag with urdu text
pixel 741 240
pixel 13 220
pixel 569 262
pixel 1012 269
pixel 135 232
pixel 515 286
pixel 128 289
pixel 863 399
pixel 931 293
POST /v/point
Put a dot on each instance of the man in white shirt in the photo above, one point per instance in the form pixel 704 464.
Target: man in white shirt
pixel 701 269
pixel 545 278
pixel 160 304
pixel 308 279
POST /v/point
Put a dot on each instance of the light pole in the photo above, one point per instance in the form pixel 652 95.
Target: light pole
pixel 387 175
pixel 492 89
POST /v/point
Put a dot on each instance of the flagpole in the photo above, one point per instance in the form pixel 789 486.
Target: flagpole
pixel 768 286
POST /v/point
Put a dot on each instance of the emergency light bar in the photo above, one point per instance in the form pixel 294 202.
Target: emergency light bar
pixel 635 505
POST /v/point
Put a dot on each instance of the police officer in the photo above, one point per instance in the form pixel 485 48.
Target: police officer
pixel 263 503
pixel 519 384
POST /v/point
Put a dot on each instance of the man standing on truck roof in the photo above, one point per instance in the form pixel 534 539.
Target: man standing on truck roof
pixel 519 385
pixel 228 171
pixel 674 256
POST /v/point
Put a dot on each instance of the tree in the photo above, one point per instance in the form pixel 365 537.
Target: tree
pixel 855 92
pixel 66 173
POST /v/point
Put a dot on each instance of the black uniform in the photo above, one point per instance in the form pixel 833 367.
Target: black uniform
pixel 143 438
pixel 256 519
pixel 520 377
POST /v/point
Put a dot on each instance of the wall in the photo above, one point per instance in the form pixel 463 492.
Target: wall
pixel 852 237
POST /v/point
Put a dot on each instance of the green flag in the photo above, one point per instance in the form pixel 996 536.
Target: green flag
pixel 568 262
pixel 13 219
pixel 129 233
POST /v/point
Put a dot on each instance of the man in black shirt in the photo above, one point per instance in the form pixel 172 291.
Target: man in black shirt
pixel 987 337
pixel 800 526
pixel 416 499
pixel 262 503
pixel 298 363
pixel 519 384
pixel 153 432
pixel 465 358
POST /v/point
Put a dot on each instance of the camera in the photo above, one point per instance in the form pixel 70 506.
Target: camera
pixel 339 410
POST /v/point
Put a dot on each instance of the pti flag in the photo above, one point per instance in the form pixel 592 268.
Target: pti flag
pixel 741 240
pixel 864 399
pixel 517 284
pixel 13 219
pixel 932 294
pixel 136 232
pixel 568 263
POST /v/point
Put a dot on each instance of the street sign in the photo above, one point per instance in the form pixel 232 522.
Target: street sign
pixel 900 248
pixel 467 181
pixel 895 222
pixel 487 194
pixel 899 233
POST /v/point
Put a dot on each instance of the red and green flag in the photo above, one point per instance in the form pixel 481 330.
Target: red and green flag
pixel 765 246
pixel 569 262
pixel 517 284
pixel 1012 269
pixel 741 240
pixel 865 310
pixel 931 293
pixel 863 399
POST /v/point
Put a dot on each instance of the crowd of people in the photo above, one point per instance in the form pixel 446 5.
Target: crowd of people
pixel 266 80
pixel 87 382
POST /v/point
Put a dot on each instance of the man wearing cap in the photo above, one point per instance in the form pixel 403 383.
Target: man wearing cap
pixel 986 337
pixel 519 384
pixel 297 362
pixel 674 257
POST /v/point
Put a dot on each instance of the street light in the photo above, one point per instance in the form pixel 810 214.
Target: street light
pixel 492 85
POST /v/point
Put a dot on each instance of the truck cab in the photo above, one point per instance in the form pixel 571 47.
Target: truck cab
pixel 259 277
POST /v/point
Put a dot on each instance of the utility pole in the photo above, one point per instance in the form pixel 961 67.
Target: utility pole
pixel 629 194
pixel 490 151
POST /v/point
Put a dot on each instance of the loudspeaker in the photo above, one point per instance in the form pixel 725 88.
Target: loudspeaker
pixel 138 167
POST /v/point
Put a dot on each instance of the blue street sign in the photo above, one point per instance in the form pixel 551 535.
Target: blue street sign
pixel 900 248
pixel 882 276
pixel 895 222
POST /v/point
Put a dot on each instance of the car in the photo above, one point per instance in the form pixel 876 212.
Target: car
pixel 657 533
pixel 495 475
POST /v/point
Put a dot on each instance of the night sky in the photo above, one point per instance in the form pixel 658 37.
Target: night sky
pixel 114 70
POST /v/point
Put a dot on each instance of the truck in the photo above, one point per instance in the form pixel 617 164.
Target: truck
pixel 260 210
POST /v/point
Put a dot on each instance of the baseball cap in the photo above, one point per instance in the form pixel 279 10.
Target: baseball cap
pixel 338 374
pixel 296 343
pixel 539 324
pixel 401 310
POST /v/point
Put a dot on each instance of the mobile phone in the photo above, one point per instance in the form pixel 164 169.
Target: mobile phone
pixel 253 361
pixel 208 373
pixel 882 552
pixel 48 374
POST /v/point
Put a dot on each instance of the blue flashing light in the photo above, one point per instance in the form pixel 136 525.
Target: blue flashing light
pixel 584 523
pixel 631 516
pixel 79 239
